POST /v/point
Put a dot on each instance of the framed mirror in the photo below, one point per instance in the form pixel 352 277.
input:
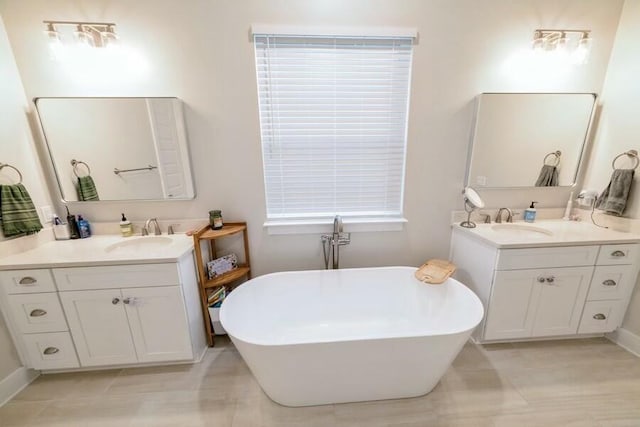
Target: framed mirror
pixel 117 148
pixel 529 139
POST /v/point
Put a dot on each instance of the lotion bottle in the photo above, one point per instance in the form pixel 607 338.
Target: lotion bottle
pixel 83 227
pixel 125 227
pixel 530 213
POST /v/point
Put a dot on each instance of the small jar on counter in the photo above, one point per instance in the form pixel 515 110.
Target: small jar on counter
pixel 215 219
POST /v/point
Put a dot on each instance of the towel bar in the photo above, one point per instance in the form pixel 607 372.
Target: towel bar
pixel 148 168
pixel 2 165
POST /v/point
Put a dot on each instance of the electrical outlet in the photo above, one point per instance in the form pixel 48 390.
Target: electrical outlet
pixel 47 214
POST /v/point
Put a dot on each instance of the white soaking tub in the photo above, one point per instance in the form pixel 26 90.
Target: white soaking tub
pixel 333 336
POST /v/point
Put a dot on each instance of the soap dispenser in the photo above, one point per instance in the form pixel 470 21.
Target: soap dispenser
pixel 530 213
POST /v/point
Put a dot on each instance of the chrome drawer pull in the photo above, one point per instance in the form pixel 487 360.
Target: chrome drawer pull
pixel 50 350
pixel 27 280
pixel 618 254
pixel 609 282
pixel 38 312
pixel 599 316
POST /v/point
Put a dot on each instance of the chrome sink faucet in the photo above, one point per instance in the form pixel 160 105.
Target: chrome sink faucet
pixel 499 215
pixel 156 231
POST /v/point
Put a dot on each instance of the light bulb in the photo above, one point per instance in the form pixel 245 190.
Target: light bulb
pixel 538 42
pixel 581 54
pixel 83 37
pixel 109 37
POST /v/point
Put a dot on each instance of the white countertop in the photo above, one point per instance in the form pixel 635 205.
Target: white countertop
pixel 563 233
pixel 98 250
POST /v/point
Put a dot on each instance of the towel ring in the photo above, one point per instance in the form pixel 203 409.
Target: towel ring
pixel 630 153
pixel 75 164
pixel 557 154
pixel 2 165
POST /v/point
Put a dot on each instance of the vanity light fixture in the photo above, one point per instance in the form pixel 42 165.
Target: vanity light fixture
pixel 576 43
pixel 92 34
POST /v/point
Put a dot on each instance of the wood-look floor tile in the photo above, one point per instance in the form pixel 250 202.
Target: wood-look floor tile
pixel 556 383
pixel 263 412
pixel 17 413
pixel 68 385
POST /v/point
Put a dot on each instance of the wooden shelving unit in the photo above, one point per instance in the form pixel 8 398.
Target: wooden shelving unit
pixel 206 234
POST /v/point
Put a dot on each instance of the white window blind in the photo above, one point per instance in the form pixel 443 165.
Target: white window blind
pixel 333 118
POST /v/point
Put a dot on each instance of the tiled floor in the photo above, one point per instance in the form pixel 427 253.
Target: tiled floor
pixel 555 383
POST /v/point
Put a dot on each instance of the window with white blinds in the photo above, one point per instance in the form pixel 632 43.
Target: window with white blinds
pixel 333 118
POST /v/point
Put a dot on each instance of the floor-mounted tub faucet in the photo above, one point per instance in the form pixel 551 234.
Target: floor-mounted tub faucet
pixel 331 243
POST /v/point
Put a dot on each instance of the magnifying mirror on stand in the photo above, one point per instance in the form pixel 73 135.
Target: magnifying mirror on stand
pixel 472 201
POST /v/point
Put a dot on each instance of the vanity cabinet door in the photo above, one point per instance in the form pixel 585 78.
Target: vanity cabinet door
pixel 536 302
pixel 562 297
pixel 99 327
pixel 513 295
pixel 158 323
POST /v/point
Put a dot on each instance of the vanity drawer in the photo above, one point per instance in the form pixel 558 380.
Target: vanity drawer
pixel 611 282
pixel 117 276
pixel 601 316
pixel 27 281
pixel 54 350
pixel 618 254
pixel 37 313
pixel 569 256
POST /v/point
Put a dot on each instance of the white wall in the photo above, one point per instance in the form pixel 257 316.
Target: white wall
pixel 619 128
pixel 16 148
pixel 200 51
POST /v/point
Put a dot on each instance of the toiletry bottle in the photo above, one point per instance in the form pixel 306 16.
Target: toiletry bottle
pixel 125 227
pixel 530 213
pixel 73 225
pixel 83 227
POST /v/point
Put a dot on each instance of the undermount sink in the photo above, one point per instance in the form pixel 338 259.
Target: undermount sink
pixel 521 229
pixel 139 244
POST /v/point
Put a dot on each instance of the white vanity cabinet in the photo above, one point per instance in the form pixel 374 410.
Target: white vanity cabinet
pixel 90 316
pixel 537 292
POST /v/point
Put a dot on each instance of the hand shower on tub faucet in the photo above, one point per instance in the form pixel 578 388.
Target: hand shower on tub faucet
pixel 331 243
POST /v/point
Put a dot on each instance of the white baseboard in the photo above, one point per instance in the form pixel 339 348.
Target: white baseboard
pixel 15 382
pixel 626 339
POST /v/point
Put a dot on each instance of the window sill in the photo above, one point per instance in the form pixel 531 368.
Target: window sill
pixel 319 226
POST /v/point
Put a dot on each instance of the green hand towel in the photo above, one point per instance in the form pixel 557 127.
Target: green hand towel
pixel 17 213
pixel 87 189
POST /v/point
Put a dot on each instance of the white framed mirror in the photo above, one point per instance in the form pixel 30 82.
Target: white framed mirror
pixel 111 149
pixel 529 139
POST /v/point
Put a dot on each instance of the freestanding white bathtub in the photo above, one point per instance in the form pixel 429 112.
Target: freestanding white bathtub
pixel 334 336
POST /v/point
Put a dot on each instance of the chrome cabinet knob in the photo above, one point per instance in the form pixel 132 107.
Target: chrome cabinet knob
pixel 50 350
pixel 115 301
pixel 28 281
pixel 609 282
pixel 541 279
pixel 126 300
pixel 599 316
pixel 551 279
pixel 618 254
pixel 38 312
